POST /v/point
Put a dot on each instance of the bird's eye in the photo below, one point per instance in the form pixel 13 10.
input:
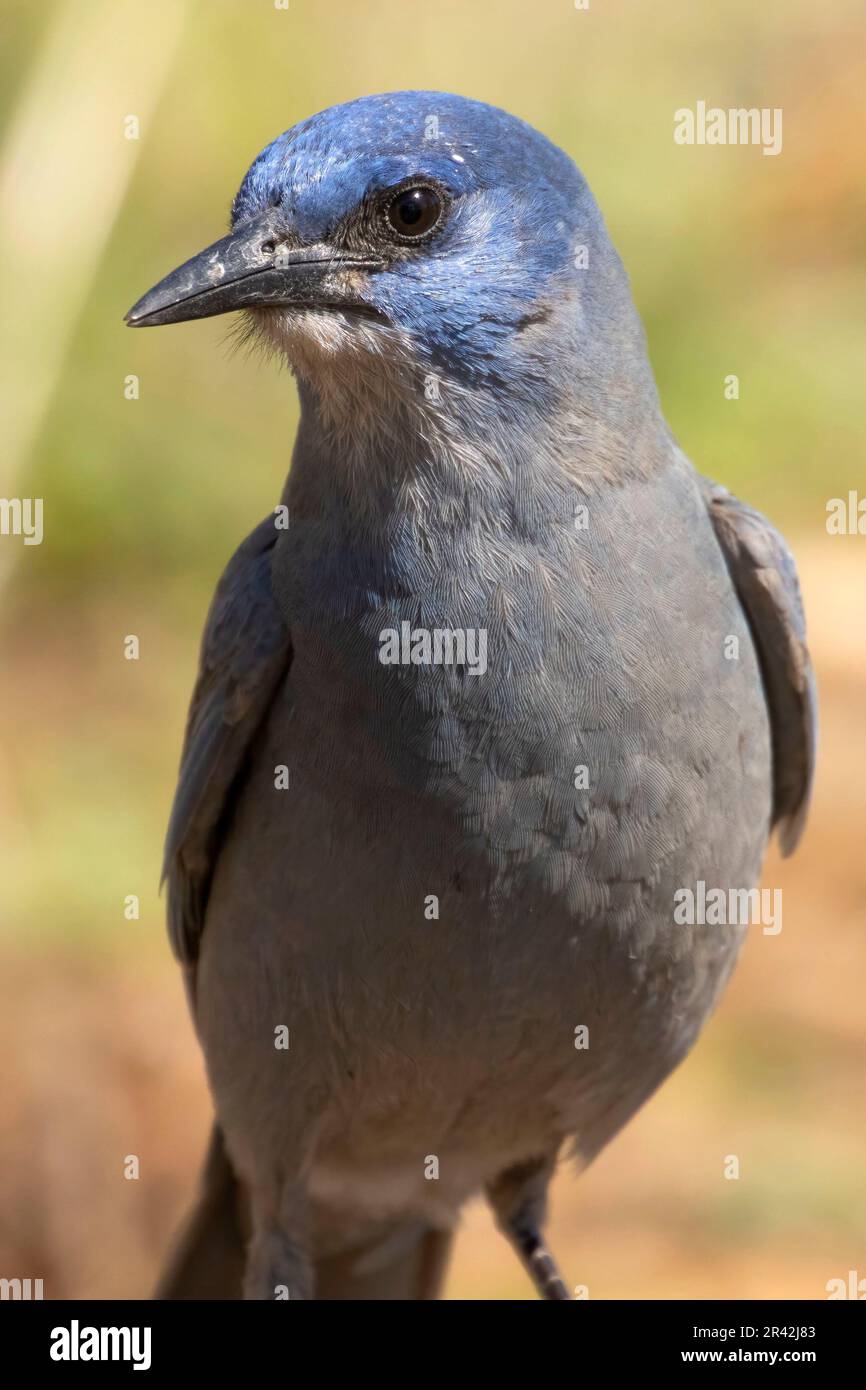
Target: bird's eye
pixel 415 211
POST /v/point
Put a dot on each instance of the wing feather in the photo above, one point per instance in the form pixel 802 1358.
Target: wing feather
pixel 245 654
pixel 765 577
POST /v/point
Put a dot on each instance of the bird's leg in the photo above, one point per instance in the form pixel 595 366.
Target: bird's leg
pixel 538 1262
pixel 278 1261
pixel 519 1198
pixel 278 1268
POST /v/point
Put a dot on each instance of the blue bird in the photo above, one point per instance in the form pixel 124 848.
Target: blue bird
pixel 500 691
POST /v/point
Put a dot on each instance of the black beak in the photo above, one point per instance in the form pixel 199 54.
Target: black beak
pixel 252 266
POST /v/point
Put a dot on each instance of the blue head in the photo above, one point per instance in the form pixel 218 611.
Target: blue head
pixel 425 227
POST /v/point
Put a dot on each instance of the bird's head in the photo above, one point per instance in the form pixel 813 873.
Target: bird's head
pixel 421 230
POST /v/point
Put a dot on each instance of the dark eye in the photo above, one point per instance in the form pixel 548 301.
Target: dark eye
pixel 415 211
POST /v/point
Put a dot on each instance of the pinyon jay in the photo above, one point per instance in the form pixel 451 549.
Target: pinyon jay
pixel 499 678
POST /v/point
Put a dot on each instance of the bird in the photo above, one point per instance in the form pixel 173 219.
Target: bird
pixel 499 678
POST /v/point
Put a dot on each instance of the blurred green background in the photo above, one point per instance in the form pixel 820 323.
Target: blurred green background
pixel 740 263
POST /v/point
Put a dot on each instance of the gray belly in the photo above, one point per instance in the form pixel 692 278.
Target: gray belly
pixel 474 954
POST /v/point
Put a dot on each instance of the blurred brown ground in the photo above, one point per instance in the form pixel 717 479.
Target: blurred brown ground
pixel 97 1059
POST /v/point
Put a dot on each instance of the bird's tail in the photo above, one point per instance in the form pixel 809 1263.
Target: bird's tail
pixel 408 1262
pixel 208 1260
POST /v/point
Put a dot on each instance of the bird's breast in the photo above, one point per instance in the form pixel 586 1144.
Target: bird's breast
pixel 476 850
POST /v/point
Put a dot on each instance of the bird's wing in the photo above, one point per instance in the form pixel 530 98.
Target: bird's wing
pixel 765 577
pixel 245 653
